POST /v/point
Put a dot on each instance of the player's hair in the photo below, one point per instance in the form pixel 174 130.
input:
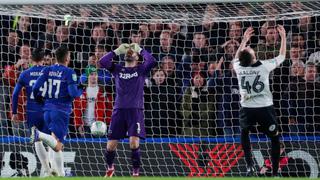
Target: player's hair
pixel 37 55
pixel 245 58
pixel 61 54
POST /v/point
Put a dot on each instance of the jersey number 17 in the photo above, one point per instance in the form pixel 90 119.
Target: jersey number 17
pixel 52 82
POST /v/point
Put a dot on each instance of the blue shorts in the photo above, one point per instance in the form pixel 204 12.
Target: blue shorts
pixel 57 123
pixel 36 119
pixel 126 122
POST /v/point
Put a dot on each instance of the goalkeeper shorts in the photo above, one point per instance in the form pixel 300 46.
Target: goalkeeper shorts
pixel 126 122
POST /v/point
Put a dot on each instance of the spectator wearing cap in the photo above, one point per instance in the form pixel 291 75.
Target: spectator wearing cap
pixel 93 105
pixel 104 77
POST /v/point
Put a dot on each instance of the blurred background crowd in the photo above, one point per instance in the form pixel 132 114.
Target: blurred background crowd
pixel 192 92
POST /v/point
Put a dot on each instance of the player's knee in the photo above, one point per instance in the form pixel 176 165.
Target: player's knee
pixel 58 147
pixel 134 142
pixel 112 145
pixel 134 146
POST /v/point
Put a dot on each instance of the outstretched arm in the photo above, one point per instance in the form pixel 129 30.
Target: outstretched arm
pixel 149 60
pixel 106 61
pixel 272 64
pixel 246 37
pixel 283 47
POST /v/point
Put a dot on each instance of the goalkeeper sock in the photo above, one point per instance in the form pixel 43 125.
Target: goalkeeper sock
pixel 245 142
pixel 42 155
pixel 58 158
pixel 48 139
pixel 109 157
pixel 275 154
pixel 135 156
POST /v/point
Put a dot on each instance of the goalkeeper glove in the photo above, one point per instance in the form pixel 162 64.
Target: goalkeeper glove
pixel 136 48
pixel 122 49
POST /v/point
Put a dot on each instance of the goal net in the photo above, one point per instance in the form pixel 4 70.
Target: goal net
pixel 191 97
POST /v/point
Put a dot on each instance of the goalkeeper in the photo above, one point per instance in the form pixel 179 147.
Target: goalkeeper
pixel 127 117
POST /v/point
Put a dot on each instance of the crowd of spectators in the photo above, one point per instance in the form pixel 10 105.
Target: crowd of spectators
pixel 193 91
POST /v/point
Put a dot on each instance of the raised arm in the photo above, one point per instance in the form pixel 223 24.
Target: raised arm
pixel 283 47
pixel 74 89
pixel 106 60
pixel 272 64
pixel 149 60
pixel 246 37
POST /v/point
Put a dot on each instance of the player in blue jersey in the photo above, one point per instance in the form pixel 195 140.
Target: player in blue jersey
pixel 127 117
pixel 33 109
pixel 62 88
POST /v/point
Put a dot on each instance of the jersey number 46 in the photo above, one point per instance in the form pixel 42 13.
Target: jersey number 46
pixel 257 86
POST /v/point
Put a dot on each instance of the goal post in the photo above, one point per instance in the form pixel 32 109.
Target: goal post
pixel 191 98
pixel 44 2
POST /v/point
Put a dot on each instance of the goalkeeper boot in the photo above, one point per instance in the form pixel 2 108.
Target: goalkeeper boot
pixel 34 135
pixel 251 171
pixel 110 172
pixel 135 172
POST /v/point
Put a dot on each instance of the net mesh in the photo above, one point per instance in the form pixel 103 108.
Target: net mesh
pixel 191 98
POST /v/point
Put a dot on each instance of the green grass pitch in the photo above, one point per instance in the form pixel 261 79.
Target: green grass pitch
pixel 153 178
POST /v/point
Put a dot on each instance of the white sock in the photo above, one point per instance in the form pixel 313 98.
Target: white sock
pixel 48 139
pixel 58 158
pixel 42 155
pixel 51 159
